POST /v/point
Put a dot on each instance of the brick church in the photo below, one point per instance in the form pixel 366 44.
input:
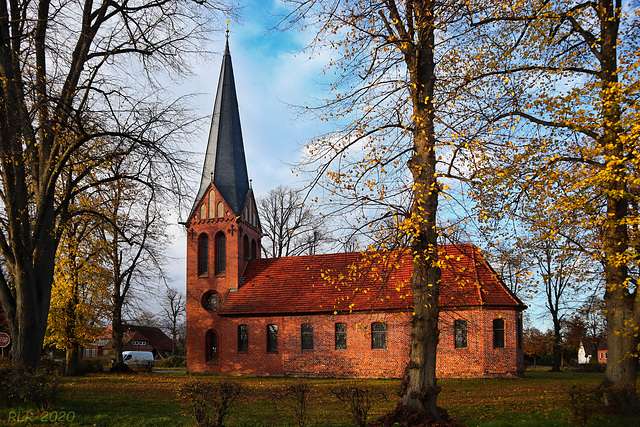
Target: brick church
pixel 334 315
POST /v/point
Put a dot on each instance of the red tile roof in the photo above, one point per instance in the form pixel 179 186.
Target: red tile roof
pixel 362 282
pixel 154 335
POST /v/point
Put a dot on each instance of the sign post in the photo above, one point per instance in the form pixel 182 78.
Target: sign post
pixel 5 339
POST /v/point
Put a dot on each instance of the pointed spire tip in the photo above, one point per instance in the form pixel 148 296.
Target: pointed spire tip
pixel 226 46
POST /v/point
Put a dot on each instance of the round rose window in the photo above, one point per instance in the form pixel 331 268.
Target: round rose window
pixel 211 301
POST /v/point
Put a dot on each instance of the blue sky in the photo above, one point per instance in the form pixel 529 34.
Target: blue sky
pixel 271 74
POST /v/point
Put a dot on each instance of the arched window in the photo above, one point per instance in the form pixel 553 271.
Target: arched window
pixel 245 246
pixel 340 336
pixel 254 249
pixel 211 350
pixel 272 338
pixel 519 331
pixel 243 338
pixel 460 330
pixel 306 331
pixel 498 333
pixel 203 254
pixel 203 211
pixel 220 210
pixel 221 253
pixel 379 336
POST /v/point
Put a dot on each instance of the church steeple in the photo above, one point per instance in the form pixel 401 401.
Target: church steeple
pixel 225 163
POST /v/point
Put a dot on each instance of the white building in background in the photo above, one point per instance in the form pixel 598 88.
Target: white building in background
pixel 583 359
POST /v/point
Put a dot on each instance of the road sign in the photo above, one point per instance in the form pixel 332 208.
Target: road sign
pixel 5 339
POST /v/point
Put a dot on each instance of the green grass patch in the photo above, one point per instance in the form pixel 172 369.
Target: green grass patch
pixel 150 399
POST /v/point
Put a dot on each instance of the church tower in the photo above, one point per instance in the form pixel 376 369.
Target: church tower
pixel 223 228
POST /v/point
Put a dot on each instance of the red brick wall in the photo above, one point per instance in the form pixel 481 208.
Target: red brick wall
pixel 480 359
pixel 199 319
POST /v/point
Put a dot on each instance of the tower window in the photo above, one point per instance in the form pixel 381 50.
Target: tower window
pixel 243 338
pixel 341 336
pixel 203 211
pixel 203 254
pixel 245 247
pixel 272 338
pixel 211 350
pixel 221 253
pixel 379 336
pixel 307 336
pixel 498 333
pixel 254 249
pixel 460 330
pixel 220 210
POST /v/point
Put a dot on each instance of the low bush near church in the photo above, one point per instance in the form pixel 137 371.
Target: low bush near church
pixel 296 398
pixel 210 400
pixel 358 400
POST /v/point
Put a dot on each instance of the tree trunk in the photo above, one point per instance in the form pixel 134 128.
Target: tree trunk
pixel 557 345
pixel 72 361
pixel 174 336
pixel 420 390
pixel 28 322
pixel 72 327
pixel 621 305
pixel 117 334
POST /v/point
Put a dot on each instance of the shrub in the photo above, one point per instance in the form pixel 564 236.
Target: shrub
pixel 582 402
pixel 210 400
pixel 5 382
pixel 358 400
pixel 295 396
pixel 17 385
pixel 172 362
pixel 86 366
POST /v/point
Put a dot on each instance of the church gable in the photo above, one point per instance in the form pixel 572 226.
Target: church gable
pixel 250 212
pixel 212 206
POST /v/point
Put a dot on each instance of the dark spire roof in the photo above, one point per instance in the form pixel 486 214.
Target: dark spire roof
pixel 224 162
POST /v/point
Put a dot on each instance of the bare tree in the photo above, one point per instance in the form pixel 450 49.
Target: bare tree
pixel 71 74
pixel 132 235
pixel 563 272
pixel 174 306
pixel 289 227
pixel 513 267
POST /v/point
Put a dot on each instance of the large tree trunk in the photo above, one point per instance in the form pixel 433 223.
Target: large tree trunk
pixel 72 360
pixel 420 390
pixel 28 321
pixel 621 305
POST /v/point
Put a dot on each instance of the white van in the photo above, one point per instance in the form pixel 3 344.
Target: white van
pixel 138 360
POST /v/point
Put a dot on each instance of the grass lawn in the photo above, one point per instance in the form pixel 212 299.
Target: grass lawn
pixel 150 399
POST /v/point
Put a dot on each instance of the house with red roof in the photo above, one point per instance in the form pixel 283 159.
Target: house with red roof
pixel 135 338
pixel 333 315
